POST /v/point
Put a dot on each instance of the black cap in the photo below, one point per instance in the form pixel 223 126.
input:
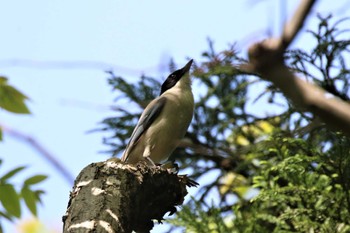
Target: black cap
pixel 174 77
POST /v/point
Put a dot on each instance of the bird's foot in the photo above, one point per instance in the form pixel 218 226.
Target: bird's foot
pixel 170 166
pixel 150 161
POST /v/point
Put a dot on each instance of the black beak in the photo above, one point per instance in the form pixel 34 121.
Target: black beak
pixel 187 67
pixel 174 77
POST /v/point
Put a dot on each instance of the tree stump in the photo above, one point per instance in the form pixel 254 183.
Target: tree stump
pixel 112 197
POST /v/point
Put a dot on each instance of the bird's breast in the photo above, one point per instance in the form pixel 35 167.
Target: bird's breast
pixel 171 125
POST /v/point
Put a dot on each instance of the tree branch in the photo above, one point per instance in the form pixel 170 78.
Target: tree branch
pixel 292 28
pixel 266 58
pixel 42 151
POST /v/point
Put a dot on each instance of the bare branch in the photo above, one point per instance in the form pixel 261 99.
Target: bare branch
pixel 266 58
pixel 42 151
pixel 78 64
pixel 292 28
pixel 332 110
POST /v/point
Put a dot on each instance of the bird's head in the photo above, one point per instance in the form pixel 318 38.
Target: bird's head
pixel 179 76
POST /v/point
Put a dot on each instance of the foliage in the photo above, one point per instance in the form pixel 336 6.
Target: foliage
pixel 299 191
pixel 10 198
pixel 202 220
pixel 13 101
pixel 283 172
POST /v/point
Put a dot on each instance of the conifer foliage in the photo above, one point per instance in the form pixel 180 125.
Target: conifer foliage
pixel 262 169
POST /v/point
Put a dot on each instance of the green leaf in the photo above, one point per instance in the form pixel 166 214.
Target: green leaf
pixel 10 200
pixel 30 199
pixel 11 173
pixel 38 193
pixel 35 179
pixel 0 134
pixel 6 215
pixel 3 80
pixel 11 99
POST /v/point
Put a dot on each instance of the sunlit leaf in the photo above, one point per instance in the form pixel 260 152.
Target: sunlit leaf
pixel 30 199
pixel 38 193
pixel 10 200
pixel 11 99
pixel 6 215
pixel 241 140
pixel 11 173
pixel 231 181
pixel 241 190
pixel 35 179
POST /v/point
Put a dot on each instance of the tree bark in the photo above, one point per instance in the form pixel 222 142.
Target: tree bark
pixel 112 197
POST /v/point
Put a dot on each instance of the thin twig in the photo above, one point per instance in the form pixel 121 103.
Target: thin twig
pixel 79 64
pixel 42 151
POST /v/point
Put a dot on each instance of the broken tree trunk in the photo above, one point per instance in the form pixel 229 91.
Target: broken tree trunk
pixel 112 196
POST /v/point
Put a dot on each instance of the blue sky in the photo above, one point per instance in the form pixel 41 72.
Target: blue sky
pixel 56 52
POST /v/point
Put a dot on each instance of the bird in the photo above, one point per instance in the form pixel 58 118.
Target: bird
pixel 164 122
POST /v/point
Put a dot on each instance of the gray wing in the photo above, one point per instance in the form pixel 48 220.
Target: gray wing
pixel 151 113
